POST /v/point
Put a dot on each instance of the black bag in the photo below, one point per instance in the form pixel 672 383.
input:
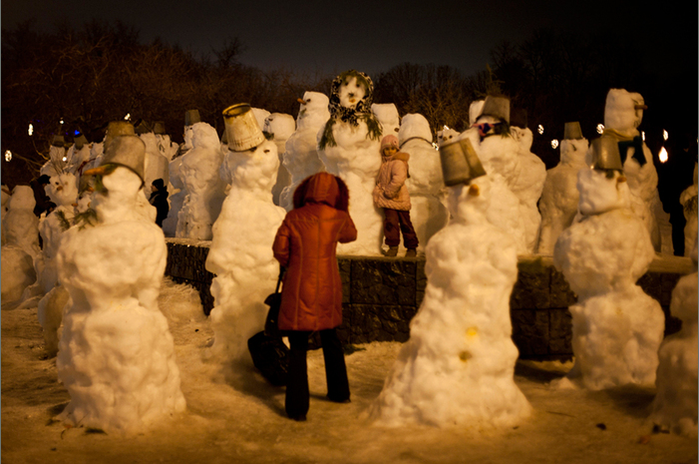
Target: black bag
pixel 270 355
pixel 268 351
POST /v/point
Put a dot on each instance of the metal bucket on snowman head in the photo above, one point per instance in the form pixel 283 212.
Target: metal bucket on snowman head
pixel 242 130
pixel 191 117
pixel 460 162
pixel 497 107
pixel 572 131
pixel 605 154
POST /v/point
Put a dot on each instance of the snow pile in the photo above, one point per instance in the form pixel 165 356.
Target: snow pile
pixel 349 147
pixel 301 155
pixel 20 245
pixel 457 367
pixel 675 405
pixel 116 354
pixel 199 169
pixel 241 251
pixel 617 328
pixel 559 198
pixel 428 213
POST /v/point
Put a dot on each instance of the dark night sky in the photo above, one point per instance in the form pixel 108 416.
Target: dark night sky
pixel 373 36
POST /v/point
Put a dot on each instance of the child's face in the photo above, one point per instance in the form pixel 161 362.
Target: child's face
pixel 389 151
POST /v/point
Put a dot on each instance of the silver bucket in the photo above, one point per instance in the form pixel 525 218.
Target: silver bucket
pixel 242 130
pixel 605 154
pixel 460 162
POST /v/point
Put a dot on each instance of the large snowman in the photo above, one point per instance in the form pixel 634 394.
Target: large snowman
pixel 457 368
pixel 429 213
pixel 63 191
pixel 617 328
pixel 116 355
pixel 301 154
pixel 349 147
pixel 199 171
pixel 241 251
pixel 490 137
pixel 559 199
pixel 623 114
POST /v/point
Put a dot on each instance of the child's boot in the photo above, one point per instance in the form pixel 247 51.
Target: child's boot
pixel 392 251
pixel 411 253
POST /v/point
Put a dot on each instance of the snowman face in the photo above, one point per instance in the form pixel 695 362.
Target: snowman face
pixel 351 93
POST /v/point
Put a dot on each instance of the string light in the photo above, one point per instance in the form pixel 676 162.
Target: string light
pixel 665 135
pixel 8 155
pixel 31 129
pixel 600 128
pixel 540 129
pixel 554 143
pixel 663 155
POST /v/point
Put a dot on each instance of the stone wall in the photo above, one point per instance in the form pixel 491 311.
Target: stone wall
pixel 381 296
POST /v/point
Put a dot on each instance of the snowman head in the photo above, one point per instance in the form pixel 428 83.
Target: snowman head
pixel 351 90
pixel 623 111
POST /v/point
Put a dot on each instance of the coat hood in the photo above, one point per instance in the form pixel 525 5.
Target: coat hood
pixel 322 188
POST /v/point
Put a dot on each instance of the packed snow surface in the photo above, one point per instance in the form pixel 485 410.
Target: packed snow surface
pixel 241 418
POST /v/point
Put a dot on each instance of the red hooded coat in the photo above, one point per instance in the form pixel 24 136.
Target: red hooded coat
pixel 305 244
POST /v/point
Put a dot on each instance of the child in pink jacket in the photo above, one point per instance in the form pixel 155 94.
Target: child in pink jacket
pixel 392 196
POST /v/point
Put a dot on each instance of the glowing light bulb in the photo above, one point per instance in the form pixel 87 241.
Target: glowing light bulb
pixel 643 135
pixel 64 159
pixel 554 143
pixel 600 128
pixel 665 135
pixel 127 117
pixel 8 155
pixel 540 129
pixel 31 129
pixel 663 155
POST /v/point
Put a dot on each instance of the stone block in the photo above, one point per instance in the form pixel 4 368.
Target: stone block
pixel 532 289
pixel 561 296
pixel 530 331
pixel 383 281
pixel 560 332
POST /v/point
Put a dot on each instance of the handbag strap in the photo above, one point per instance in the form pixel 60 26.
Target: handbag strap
pixel 282 271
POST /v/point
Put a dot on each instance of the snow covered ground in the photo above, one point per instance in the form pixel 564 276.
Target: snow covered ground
pixel 241 418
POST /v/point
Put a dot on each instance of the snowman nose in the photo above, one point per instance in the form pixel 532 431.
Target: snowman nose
pixel 301 100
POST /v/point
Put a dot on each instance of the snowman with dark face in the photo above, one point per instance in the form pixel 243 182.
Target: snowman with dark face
pixel 617 328
pixel 349 147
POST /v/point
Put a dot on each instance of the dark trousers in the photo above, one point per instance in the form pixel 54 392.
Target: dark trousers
pixel 396 222
pixel 297 396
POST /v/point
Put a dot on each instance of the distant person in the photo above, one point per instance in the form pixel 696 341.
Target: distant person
pixel 43 202
pixel 158 198
pixel 305 244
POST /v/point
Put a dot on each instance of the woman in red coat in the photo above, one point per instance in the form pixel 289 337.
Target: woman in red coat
pixel 305 244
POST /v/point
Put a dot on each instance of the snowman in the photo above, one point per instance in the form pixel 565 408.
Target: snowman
pixel 349 146
pixel 278 128
pixel 199 170
pixel 675 403
pixel 166 146
pixel 116 355
pixel 63 191
pixel 559 199
pixel 388 117
pixel 177 197
pixel 490 137
pixel 528 183
pixel 301 155
pixel 20 245
pixel 241 250
pixel 429 213
pixel 623 114
pixel 78 154
pixel 617 328
pixel 57 157
pixel 156 161
pixel 457 368
pixel 688 199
